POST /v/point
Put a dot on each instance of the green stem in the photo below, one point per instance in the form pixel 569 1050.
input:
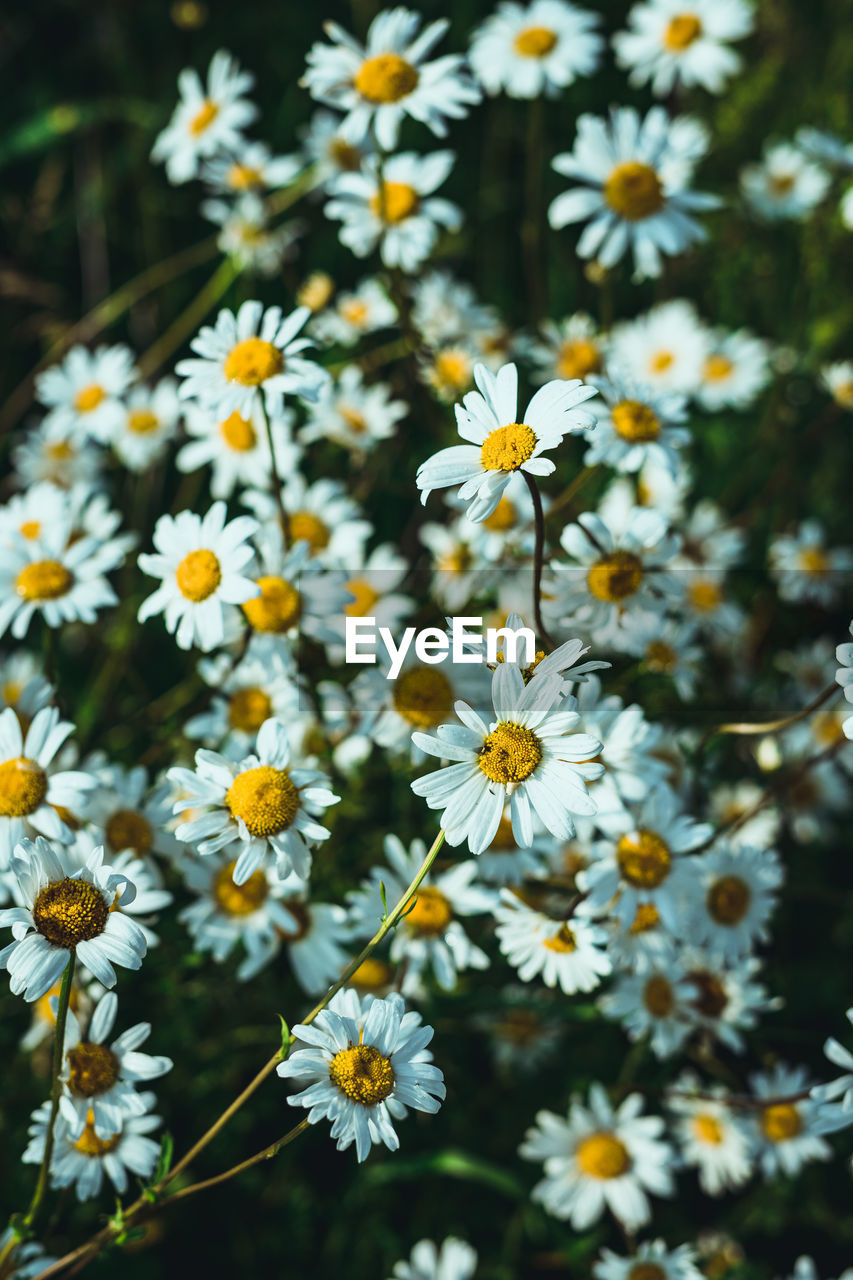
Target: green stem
pixel 538 559
pixel 189 320
pixel 276 478
pixel 267 1154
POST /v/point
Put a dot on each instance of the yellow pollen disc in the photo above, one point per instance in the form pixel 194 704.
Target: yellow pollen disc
pixel 615 577
pixel 504 839
pixel 277 608
pixel 578 357
pixel 507 448
pixel 658 997
pixel 372 974
pixel 70 819
pixel 681 31
pixel 826 726
pixel 455 561
pixel 423 696
pixel 711 998
pixel 89 1144
pixel 452 369
pixel 644 859
pixel 23 787
pixel 42 1008
pixel 431 914
pixel 265 799
pixel 204 118
pixel 634 191
pixel 707 1128
pixel 345 155
pixel 44 580
pixel 198 575
pixel 252 361
pixel 503 518
pixel 88 398
pixel 781 184
pixel 843 393
pixel 717 368
pixel 93 1069
pixel 661 361
pixel 128 829
pixel 355 312
pixel 238 433
pixel 646 1271
pixel 30 529
pixel 781 1121
pixel 248 709
pixel 563 941
pixel 316 291
pixel 510 753
pixel 70 911
pixel 395 202
pixel 142 422
pixel 239 899
pixel 535 42
pixel 242 177
pixel 59 451
pixel 661 656
pixel 635 422
pixel 362 1074
pixel 304 526
pixel 365 598
pixel 704 595
pixel 813 560
pixel 602 1155
pixel 385 78
pixel 355 421
pixel 728 900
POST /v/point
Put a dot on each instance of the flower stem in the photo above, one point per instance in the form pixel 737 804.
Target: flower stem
pixel 189 319
pixel 276 478
pixel 538 559
pixel 267 1154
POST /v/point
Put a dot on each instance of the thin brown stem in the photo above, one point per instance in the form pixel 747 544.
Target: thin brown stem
pixel 267 1154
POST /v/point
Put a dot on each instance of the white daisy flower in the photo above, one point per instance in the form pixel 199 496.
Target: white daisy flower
pixel 247 694
pixel 327 150
pixel 786 1128
pixel 56 576
pixel 635 174
pixel 199 561
pixel 525 755
pixel 806 569
pixel 645 945
pixel 734 898
pixel 352 413
pixel 316 940
pixel 535 50
pixel 260 805
pixel 785 184
pixel 247 235
pixel 652 1005
pixel 252 358
pixel 445 309
pixel 251 167
pixel 84 393
pixel 844 677
pixel 150 422
pixel 322 514
pixel 669 649
pixel 501 445
pixel 363 1071
pixel 825 146
pixel 653 1260
pixel 805 1269
pixel 355 314
pixel 373 582
pixel 728 804
pixel 665 348
pixel 452 1260
pixel 129 815
pixel 709 539
pixel 296 595
pixel 842 1087
pixel 600 1158
pixel 63 915
pixel 56 453
pixel 23 686
pixel 735 370
pixel 568 953
pixel 399 212
pixel 639 424
pixel 838 380
pixel 712 1137
pixel 207 118
pixel 570 348
pixel 683 42
pixel 379 83
pixel 728 1000
pixel 237 448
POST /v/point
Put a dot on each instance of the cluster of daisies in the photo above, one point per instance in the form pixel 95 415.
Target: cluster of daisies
pixel 591 864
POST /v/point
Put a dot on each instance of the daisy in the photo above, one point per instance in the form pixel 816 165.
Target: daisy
pixel 786 1128
pixel 785 184
pixel 362 1071
pixel 23 686
pixel 842 1087
pixel 353 414
pixel 635 174
pixel 373 582
pixel 735 370
pixel 237 448
pixel 828 147
pixel 600 1158
pixel 705 603
pixel 297 595
pixel 252 167
pixel 398 211
pixel 247 694
pixel 806 569
pixel 653 1260
pixel 145 875
pixel 56 453
pixel 728 1000
pixel 150 422
pixel 644 946
pixel 82 1162
pixel 729 804
pixel 260 805
pixel 570 348
pixel 55 576
pixel 328 152
pixel 535 50
pixel 129 815
pixel 565 952
pixel 501 445
pixel 321 514
pixel 354 315
pixel 379 83
pixel 247 235
pixel 712 1137
pixel 445 309
pixel 317 939
pixel 84 393
pixel 525 755
pixel 639 424
pixel 250 359
pixel 805 1269
pixel 207 118
pixel 664 349
pixel 99 1079
pixel 651 1006
pixel 737 897
pixel 65 915
pixel 683 42
pixel 669 649
pixel 838 380
pixel 844 677
pixel 452 1260
pixel 632 767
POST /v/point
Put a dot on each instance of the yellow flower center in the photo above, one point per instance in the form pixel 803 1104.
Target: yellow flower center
pixel 277 608
pixel 535 42
pixel 843 393
pixel 813 560
pixel 634 191
pixel 252 361
pixel 707 1128
pixel 23 787
pixel 386 78
pixel 372 974
pixel 431 914
pixel 711 998
pixel 44 580
pixel 345 155
pixel 602 1155
pixel 659 997
pixel 728 900
pixel 827 727
pixel 504 839
pixel 507 448
pixel 503 518
pixel 128 829
pixel 88 398
pixel 615 576
pixel 93 1069
pixel 239 899
pixel 242 177
pixel 646 1271
pixel 42 1009
pixel 717 368
pixel 238 432
pixel 59 451
pixel 204 118
pixel 304 526
pixel 563 941
pixel 142 422
pixel 452 369
pixel 30 530
pixel 89 1144
pixel 316 291
pixel 264 798
pixel 365 598
pixel 635 421
pixel 248 709
pixel 423 696
pixel 661 656
pixel 644 859
pixel 395 202
pixel 781 1121
pixel 681 31
pixel 355 312
pixel 198 575
pixel 509 754
pixel 353 419
pixel 578 357
pixel 362 1074
pixel 704 594
pixel 661 361
pixel 70 911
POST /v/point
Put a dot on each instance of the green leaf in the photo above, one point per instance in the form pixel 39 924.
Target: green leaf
pixel 285 1035
pixel 450 1163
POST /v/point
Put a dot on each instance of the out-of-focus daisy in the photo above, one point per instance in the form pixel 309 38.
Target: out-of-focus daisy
pixel 322 514
pixel 297 595
pixel 82 1162
pixel 730 804
pixel 236 448
pixel 352 413
pixel 664 348
pixel 652 1261
pixel 500 444
pixel 787 1127
pixel 56 453
pixel 84 393
pixel 842 1087
pixel 844 677
pixel 734 371
pixel 638 424
pixel 838 380
pixel 23 686
pixel 805 568
pixel 730 913
pixel 572 348
pixel 452 1260
pixel 568 953
pixel 728 999
pixel 254 690
pixel 785 184
pixel 670 42
pixel 712 1136
pixel 252 167
pixel 535 50
pixel 652 1005
pixel 150 422
pixel 207 119
pixel 354 314
pixel 445 309
pixel 247 235
pixel 669 649
pixel 128 813
pixel 328 151
pixel 373 582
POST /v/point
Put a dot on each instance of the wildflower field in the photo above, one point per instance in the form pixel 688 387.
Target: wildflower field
pixel 425 645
